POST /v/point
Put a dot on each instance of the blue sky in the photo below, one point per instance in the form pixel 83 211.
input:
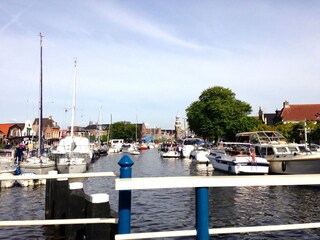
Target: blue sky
pixel 148 60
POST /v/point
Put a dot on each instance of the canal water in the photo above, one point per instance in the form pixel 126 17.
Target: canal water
pixel 173 209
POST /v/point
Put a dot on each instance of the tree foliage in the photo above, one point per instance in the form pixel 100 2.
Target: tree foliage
pixel 123 130
pixel 294 132
pixel 218 114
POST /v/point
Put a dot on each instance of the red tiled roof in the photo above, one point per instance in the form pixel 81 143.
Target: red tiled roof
pixel 300 112
pixel 5 127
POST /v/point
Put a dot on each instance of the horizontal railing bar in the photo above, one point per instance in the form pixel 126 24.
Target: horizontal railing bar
pixel 57 222
pixel 267 228
pixel 215 231
pixel 215 181
pixel 58 176
pixel 182 233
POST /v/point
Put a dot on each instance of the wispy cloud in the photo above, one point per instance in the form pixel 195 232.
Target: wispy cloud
pixel 15 19
pixel 137 24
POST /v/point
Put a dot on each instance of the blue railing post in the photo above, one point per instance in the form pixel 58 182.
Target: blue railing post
pixel 202 213
pixel 125 197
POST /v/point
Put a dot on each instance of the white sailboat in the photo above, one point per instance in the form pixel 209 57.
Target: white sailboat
pixel 37 162
pixel 73 153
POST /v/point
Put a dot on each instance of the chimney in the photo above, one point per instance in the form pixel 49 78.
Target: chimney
pixel 286 104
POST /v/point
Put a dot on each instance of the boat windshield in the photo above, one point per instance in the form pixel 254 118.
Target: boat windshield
pixel 190 141
pixel 261 137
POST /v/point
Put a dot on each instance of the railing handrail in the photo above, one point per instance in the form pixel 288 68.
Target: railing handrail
pixel 216 231
pixel 215 181
pixel 57 176
pixel 15 223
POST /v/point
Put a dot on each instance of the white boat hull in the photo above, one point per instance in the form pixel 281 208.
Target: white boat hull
pixel 37 167
pixel 135 152
pixel 72 164
pixel 239 165
pixel 170 154
pixel 71 168
pixel 7 168
pixel 200 156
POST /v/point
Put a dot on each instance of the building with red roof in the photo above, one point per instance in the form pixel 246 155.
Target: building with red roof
pixel 292 113
pixel 10 131
pixel 299 112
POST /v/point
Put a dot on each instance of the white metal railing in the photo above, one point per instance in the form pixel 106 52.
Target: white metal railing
pixel 216 181
pixel 176 182
pixel 55 175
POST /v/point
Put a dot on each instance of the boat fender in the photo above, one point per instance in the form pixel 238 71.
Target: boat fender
pixel 17 171
pixel 229 169
pixel 283 166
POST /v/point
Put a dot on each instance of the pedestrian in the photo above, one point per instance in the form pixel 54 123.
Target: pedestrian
pixel 19 153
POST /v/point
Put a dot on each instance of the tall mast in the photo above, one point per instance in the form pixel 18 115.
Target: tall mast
pixel 100 127
pixel 74 97
pixel 109 132
pixel 136 127
pixel 305 134
pixel 41 146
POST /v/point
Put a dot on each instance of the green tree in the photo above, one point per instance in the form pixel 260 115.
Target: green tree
pixel 315 133
pixel 218 114
pixel 104 138
pixel 123 130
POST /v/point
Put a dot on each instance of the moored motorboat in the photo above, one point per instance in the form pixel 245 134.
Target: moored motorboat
pixel 187 146
pixel 200 153
pixel 284 157
pixel 7 166
pixel 130 148
pixel 238 159
pixel 169 150
pixel 115 145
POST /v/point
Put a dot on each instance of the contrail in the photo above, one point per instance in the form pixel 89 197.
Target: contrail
pixel 14 19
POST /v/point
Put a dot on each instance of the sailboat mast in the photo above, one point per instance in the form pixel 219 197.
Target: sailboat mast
pixel 41 145
pixel 109 131
pixel 136 127
pixel 74 97
pixel 100 127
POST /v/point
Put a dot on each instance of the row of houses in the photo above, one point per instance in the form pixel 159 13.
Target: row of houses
pixel 15 133
pixel 291 113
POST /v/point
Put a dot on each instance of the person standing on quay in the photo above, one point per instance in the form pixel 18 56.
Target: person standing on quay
pixel 19 153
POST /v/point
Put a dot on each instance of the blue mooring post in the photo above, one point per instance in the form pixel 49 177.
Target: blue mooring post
pixel 124 210
pixel 202 213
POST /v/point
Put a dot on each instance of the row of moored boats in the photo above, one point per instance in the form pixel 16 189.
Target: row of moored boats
pixel 259 152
